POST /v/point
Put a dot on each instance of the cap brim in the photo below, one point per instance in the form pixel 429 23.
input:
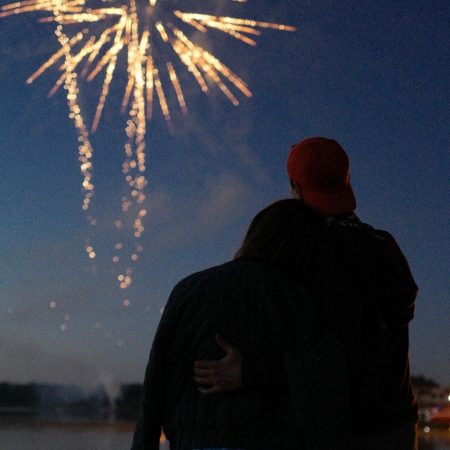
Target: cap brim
pixel 331 203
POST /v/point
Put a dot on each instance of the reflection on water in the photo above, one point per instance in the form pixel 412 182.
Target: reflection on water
pixel 29 435
pixel 20 435
pixel 436 439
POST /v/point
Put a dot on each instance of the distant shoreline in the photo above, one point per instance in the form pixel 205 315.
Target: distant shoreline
pixel 120 426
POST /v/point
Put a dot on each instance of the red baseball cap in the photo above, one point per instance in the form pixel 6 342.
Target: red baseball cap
pixel 320 167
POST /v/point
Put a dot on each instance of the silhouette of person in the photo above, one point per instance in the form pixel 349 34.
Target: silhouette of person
pixel 366 294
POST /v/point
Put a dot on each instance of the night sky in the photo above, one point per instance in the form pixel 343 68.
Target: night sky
pixel 372 74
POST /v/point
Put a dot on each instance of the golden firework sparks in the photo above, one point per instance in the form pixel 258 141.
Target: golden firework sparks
pixel 136 33
pixel 156 39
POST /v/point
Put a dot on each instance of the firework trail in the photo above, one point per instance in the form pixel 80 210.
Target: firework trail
pixel 155 36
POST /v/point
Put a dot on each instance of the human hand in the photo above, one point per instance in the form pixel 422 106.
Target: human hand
pixel 223 375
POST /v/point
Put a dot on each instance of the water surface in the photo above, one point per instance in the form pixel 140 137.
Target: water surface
pixel 30 435
pixel 33 435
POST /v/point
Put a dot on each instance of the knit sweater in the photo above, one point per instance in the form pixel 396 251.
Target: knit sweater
pixel 262 312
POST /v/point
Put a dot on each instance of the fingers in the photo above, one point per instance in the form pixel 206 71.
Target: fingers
pixel 230 351
pixel 205 372
pixel 206 381
pixel 207 365
pixel 223 344
pixel 223 375
pixel 215 387
pixel 210 390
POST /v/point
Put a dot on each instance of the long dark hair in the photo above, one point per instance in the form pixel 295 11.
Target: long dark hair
pixel 282 234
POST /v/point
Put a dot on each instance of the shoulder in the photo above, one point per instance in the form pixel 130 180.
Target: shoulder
pixel 350 233
pixel 346 242
pixel 194 283
pixel 362 237
pixel 238 278
pixel 234 268
pixel 351 241
pixel 350 227
pixel 232 271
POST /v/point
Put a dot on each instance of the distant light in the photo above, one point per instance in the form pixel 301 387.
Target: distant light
pixel 52 304
pixel 448 398
pixel 63 327
pixel 126 302
pixel 426 429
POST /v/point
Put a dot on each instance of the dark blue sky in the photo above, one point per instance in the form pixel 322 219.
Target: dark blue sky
pixel 374 75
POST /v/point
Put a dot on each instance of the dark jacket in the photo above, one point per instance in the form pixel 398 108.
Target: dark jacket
pixel 366 294
pixel 261 311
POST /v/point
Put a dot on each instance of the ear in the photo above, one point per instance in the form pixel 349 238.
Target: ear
pixel 295 189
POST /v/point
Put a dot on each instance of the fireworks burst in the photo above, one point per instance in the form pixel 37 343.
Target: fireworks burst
pixel 156 37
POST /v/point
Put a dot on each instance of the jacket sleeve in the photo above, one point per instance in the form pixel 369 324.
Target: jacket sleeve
pixel 148 428
pixel 399 287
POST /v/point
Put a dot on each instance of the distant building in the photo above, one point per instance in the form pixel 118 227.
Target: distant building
pixel 432 396
pixel 433 401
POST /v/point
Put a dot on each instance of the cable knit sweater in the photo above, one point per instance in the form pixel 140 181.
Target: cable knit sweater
pixel 262 312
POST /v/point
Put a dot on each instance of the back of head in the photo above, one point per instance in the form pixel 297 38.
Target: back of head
pixel 282 233
pixel 319 168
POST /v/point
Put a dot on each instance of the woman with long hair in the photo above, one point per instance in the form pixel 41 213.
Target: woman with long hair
pixel 253 303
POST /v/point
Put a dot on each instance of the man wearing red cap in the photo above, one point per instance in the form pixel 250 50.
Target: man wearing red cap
pixel 319 172
pixel 366 296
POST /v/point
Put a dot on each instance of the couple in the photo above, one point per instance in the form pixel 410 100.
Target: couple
pixel 300 342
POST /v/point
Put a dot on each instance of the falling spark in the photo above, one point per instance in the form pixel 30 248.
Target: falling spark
pixel 156 41
pixel 132 31
pixel 177 87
